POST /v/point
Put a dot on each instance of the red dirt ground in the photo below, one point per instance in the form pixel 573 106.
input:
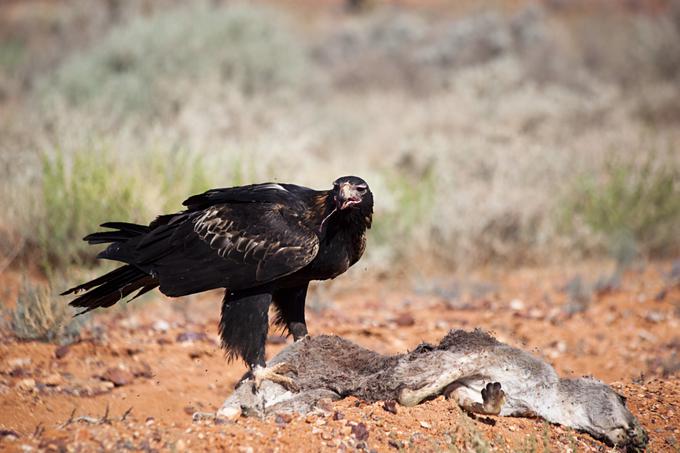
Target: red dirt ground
pixel 166 364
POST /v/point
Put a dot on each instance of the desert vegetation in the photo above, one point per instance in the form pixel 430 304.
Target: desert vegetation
pixel 488 138
pixel 515 134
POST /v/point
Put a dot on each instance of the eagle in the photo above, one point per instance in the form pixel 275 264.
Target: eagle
pixel 262 243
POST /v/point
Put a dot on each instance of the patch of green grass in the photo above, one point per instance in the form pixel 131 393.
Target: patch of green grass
pixel 41 315
pixel 631 202
pixel 413 201
pixel 12 53
pixel 81 191
pixel 84 188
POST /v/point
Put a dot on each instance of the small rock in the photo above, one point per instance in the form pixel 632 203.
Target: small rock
pixel 395 444
pixel 189 337
pixel 19 372
pixel 161 325
pixel 106 386
pixel 390 406
pixel 19 362
pixel 229 412
pixel 655 317
pixel 360 431
pixel 198 353
pixel 661 295
pixel 131 352
pixel 517 305
pixel 536 313
pixel 4 432
pixel 404 320
pixel 326 435
pixel 142 369
pixel 245 449
pixel 26 385
pixel 283 418
pixel 337 415
pixel 647 336
pixel 53 380
pixel 202 416
pixel 118 376
pixel 425 425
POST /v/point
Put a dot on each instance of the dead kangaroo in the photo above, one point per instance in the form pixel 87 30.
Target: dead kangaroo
pixel 480 373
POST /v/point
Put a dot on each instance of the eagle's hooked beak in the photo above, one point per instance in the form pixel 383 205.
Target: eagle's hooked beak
pixel 347 196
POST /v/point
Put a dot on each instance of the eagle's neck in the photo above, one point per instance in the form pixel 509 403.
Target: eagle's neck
pixel 328 220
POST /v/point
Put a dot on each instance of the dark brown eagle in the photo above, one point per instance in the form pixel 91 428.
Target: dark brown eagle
pixel 263 243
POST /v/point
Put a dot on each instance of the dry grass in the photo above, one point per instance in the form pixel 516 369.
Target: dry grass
pixel 41 315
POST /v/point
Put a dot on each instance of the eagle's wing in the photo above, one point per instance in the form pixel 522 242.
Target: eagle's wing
pixel 269 192
pixel 232 245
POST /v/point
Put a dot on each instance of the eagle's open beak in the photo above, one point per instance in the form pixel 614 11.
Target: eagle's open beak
pixel 347 196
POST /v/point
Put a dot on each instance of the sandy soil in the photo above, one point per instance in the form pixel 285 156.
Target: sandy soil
pixel 140 372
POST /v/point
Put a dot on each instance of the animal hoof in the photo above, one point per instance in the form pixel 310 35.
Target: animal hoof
pixel 493 397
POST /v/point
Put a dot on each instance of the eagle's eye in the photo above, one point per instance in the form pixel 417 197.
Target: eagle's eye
pixel 362 189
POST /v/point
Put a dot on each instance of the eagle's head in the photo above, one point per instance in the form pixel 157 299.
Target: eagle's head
pixel 352 192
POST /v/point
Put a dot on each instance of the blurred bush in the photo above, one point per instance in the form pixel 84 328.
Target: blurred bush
pixel 139 65
pixel 631 204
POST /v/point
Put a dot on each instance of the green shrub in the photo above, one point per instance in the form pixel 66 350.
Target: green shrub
pixel 41 315
pixel 85 188
pixel 414 198
pixel 631 201
pixel 80 192
pixel 12 53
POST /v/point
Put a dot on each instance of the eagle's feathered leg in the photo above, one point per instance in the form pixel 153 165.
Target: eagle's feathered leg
pixel 244 325
pixel 290 307
pixel 243 329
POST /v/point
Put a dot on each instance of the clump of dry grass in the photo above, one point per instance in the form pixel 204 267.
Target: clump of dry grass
pixel 40 315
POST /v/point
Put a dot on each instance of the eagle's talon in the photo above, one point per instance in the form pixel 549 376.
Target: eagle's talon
pixel 275 373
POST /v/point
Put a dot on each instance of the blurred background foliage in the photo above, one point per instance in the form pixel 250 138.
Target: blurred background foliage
pixel 510 133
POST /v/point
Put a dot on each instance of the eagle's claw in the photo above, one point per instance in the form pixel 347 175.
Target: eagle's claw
pixel 275 373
